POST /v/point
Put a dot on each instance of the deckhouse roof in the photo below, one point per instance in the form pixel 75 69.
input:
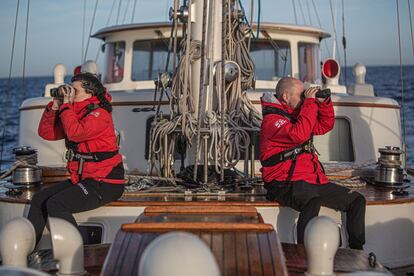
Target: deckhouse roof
pixel 269 27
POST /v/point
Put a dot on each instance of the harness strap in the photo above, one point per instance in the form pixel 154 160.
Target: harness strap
pixel 268 110
pixel 288 154
pixel 73 155
pixel 90 156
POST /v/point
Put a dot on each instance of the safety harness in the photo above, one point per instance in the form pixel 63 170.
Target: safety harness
pixel 289 154
pixel 72 153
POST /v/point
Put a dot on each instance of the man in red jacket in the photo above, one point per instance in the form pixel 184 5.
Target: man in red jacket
pixel 82 116
pixel 291 170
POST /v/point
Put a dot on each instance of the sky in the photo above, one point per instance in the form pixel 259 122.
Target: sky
pixel 55 28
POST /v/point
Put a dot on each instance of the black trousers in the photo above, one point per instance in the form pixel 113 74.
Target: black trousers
pixel 308 198
pixel 63 199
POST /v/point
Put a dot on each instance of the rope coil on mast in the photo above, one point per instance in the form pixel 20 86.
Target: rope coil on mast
pixel 230 118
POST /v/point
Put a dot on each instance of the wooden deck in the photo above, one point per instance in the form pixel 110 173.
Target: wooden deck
pixel 374 196
pixel 241 243
pixel 238 251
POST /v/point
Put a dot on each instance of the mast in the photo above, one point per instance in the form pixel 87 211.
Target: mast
pixel 211 115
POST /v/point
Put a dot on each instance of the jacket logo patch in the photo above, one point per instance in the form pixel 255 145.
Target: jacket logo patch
pixel 95 113
pixel 279 123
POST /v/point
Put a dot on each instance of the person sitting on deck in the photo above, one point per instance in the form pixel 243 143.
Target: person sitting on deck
pixel 291 171
pixel 82 116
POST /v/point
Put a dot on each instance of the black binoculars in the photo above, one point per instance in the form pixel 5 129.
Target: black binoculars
pixel 55 93
pixel 58 93
pixel 324 93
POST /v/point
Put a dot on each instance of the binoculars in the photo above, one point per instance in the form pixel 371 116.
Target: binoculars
pixel 57 92
pixel 324 93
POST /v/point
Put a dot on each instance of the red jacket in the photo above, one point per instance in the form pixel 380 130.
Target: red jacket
pixel 95 133
pixel 279 134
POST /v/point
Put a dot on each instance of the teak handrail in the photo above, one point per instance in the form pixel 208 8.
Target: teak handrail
pixel 246 210
pixel 196 227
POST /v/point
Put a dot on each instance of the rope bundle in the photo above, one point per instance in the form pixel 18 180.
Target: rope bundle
pixel 240 117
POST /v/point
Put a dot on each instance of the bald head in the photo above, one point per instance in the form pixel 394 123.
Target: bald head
pixel 287 85
pixel 289 91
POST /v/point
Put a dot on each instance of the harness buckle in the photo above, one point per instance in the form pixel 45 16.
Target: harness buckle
pixel 70 155
pixel 296 152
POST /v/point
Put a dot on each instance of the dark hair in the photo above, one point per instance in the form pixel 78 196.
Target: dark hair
pixel 92 85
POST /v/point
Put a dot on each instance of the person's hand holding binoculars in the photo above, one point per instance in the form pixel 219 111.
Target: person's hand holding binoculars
pixel 316 92
pixel 64 94
pixel 68 93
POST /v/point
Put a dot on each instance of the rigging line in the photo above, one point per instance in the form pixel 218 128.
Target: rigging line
pixel 133 11
pixel 259 11
pixel 83 31
pixel 336 37
pixel 176 6
pixel 126 11
pixel 320 26
pixel 8 84
pixel 251 11
pixel 25 49
pixel 344 39
pixel 106 25
pixel 411 24
pixel 167 62
pixel 110 13
pixel 201 95
pixel 402 85
pixel 294 11
pixel 119 10
pixel 302 13
pixel 223 86
pixel 90 30
pixel 309 13
pixel 335 42
pixel 251 23
pixel 334 29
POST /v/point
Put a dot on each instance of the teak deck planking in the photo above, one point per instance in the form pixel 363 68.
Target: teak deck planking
pixel 253 249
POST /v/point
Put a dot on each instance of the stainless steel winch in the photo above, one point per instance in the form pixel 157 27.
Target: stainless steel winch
pixel 27 172
pixel 389 171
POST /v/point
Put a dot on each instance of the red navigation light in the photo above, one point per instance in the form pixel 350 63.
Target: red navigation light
pixel 330 68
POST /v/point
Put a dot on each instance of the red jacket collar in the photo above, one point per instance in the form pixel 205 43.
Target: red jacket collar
pixel 79 106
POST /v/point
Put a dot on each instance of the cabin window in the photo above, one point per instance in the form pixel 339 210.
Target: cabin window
pixel 336 145
pixel 309 62
pixel 149 59
pixel 114 62
pixel 271 58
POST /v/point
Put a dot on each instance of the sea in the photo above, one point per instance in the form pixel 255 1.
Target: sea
pixel 386 81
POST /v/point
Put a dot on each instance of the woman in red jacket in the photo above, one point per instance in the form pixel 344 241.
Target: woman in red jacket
pixel 83 118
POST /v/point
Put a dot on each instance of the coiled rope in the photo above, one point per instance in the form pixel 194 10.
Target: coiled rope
pixel 29 161
pixel 228 122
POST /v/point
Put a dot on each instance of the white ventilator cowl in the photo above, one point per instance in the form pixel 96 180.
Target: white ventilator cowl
pixel 17 241
pixel 178 254
pixel 359 71
pixel 67 246
pixel 321 244
pixel 90 66
pixel 59 73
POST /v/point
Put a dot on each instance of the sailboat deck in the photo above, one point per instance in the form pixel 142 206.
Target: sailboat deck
pixel 374 196
pixel 238 249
